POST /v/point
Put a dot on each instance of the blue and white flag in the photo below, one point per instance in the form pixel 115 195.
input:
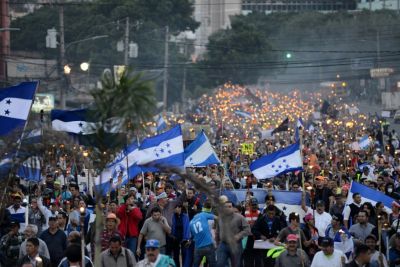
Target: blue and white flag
pixel 161 124
pixel 200 152
pixel 163 149
pixel 369 195
pixel 300 123
pixel 15 104
pixel 119 171
pixel 30 169
pixel 364 142
pixel 286 201
pixel 32 137
pixel 243 114
pixel 5 166
pixel 81 125
pixel 279 162
pixel 79 122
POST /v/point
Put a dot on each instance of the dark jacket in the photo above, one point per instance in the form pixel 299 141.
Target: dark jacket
pixel 45 261
pixel 354 264
pixel 261 227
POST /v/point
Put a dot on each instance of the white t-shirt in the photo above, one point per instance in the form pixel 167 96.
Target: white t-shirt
pixel 321 221
pixel 334 260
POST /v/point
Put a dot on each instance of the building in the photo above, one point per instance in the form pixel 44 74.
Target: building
pixel 379 4
pixel 213 15
pixel 270 6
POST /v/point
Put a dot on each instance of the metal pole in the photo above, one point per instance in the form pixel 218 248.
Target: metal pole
pixel 126 45
pixel 184 76
pixel 62 56
pixel 165 85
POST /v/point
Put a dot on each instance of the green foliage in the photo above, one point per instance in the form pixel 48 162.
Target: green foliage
pixel 256 46
pixel 148 19
pixel 132 99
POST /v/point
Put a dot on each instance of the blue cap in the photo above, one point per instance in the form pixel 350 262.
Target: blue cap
pixel 152 243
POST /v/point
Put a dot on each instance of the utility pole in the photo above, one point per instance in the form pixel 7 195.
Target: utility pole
pixel 5 39
pixel 126 43
pixel 183 94
pixel 165 85
pixel 378 48
pixel 62 57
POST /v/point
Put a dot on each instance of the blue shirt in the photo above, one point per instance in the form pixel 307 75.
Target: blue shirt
pixel 200 230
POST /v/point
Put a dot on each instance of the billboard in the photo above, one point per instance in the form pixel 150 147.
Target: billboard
pixel 43 102
pixel 31 68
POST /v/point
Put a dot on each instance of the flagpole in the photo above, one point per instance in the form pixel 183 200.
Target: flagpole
pixel 15 156
pixel 143 182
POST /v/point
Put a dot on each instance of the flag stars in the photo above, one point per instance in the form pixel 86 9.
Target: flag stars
pixel 168 145
pixel 169 151
pixel 80 124
pixel 162 150
pixel 157 155
pixel 8 102
pixel 6 112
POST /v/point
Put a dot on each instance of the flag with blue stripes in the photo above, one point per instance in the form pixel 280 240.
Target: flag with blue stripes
pixel 243 114
pixel 119 171
pixel 369 195
pixel 5 166
pixel 30 169
pixel 200 152
pixel 279 162
pixel 81 125
pixel 364 142
pixel 163 149
pixel 286 201
pixel 15 105
pixel 32 137
pixel 161 124
pixel 300 123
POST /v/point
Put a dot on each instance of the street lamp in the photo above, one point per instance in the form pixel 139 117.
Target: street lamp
pixel 51 42
pixel 84 66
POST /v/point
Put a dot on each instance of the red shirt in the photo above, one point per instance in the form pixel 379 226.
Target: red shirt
pixel 129 225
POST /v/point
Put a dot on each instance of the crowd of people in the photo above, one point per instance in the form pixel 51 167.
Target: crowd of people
pixel 158 220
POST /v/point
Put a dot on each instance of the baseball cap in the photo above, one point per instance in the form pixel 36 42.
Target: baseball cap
pixel 326 242
pixel 291 237
pixel 320 203
pixel 14 223
pixel 152 243
pixel 308 217
pixel 162 195
pixel 132 189
pixel 337 217
pixel 253 201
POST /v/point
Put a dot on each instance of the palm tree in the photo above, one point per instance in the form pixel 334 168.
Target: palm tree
pixel 124 103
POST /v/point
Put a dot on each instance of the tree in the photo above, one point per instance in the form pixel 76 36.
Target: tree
pixel 130 99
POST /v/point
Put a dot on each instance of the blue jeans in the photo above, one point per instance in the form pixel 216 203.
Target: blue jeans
pixel 208 252
pixel 224 253
pixel 131 244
